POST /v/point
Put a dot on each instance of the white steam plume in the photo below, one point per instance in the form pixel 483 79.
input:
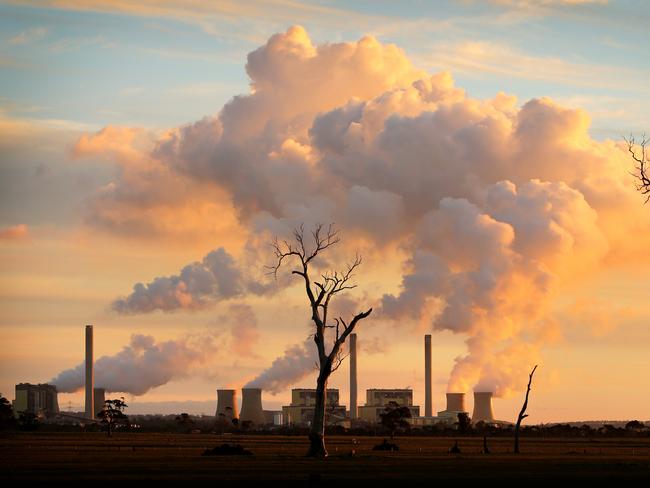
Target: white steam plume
pixel 297 362
pixel 140 366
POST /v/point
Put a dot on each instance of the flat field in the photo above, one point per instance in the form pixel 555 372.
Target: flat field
pixel 61 458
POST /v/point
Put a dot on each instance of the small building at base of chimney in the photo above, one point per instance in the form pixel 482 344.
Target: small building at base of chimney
pixel 303 402
pixel 378 399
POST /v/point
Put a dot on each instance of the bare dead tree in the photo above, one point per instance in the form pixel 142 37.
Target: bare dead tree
pixel 641 160
pixel 522 414
pixel 320 294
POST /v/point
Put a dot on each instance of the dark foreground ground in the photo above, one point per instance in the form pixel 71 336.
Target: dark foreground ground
pixel 59 458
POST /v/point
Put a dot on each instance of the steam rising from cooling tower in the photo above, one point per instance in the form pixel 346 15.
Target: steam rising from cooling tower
pixel 296 363
pixel 483 407
pixel 251 406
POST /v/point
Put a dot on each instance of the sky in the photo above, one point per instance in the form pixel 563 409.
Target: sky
pixel 471 152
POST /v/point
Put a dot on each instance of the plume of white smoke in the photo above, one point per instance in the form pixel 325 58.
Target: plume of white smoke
pixel 497 206
pixel 140 366
pixel 216 277
pixel 297 362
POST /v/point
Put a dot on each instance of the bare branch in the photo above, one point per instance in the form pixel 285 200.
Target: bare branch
pixel 642 173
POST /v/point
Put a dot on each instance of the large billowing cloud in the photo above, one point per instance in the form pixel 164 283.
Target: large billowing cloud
pixel 498 206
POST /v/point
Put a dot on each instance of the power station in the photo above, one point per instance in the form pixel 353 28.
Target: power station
pixel 42 399
pixel 300 411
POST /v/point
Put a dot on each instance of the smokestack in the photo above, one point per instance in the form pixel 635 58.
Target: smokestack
pixel 353 376
pixel 89 373
pixel 251 406
pixel 428 407
pixel 99 399
pixel 227 404
pixel 483 407
pixel 456 402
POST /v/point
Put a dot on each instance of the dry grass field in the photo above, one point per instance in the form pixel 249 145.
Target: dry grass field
pixel 59 458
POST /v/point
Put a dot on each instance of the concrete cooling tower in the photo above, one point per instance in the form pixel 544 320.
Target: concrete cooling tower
pixel 227 404
pixel 251 406
pixel 456 402
pixel 483 407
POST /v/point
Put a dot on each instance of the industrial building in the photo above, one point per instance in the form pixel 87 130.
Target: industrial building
pixel 41 399
pixel 378 399
pixel 303 400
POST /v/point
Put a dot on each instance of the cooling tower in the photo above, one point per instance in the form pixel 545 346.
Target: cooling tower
pixel 456 402
pixel 353 376
pixel 227 404
pixel 428 407
pixel 90 404
pixel 251 406
pixel 483 407
pixel 99 395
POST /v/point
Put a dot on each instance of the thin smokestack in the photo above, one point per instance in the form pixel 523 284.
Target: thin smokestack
pixel 353 376
pixel 90 397
pixel 428 407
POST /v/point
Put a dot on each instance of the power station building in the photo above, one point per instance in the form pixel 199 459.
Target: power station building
pixel 378 399
pixel 303 401
pixel 41 399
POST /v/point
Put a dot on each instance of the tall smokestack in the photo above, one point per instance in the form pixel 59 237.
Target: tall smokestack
pixel 456 402
pixel 90 403
pixel 483 407
pixel 428 407
pixel 251 406
pixel 227 404
pixel 353 376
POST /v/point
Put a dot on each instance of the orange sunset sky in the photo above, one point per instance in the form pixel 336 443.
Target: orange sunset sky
pixel 471 152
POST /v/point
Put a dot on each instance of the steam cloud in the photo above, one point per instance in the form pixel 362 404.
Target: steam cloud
pixel 216 277
pixel 498 206
pixel 156 363
pixel 297 362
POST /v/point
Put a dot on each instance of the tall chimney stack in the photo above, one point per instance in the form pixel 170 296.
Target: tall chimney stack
pixel 483 407
pixel 353 376
pixel 90 397
pixel 428 407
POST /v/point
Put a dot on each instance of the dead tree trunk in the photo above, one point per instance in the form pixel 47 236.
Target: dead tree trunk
pixel 522 414
pixel 320 295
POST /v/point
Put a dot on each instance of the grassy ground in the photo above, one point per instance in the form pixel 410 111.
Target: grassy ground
pixel 57 458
